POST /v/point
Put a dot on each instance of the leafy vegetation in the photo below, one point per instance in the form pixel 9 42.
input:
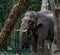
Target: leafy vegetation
pixel 5 7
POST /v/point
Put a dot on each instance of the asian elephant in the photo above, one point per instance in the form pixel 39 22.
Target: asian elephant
pixel 42 26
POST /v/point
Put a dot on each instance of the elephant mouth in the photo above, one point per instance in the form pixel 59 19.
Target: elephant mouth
pixel 24 30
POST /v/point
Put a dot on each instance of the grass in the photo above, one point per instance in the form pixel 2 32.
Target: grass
pixel 11 53
pixel 24 52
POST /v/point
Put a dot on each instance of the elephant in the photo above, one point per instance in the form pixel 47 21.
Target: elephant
pixel 42 26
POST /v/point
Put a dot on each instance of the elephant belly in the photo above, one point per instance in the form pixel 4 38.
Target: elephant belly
pixel 42 33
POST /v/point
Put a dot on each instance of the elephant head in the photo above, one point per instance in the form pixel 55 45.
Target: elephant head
pixel 30 21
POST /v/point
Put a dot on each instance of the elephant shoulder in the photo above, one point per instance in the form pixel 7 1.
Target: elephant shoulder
pixel 47 14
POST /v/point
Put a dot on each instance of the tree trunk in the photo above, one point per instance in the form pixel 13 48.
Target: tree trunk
pixel 56 47
pixel 44 5
pixel 11 20
pixel 56 13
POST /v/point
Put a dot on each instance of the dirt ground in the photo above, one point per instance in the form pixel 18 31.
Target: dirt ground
pixel 55 50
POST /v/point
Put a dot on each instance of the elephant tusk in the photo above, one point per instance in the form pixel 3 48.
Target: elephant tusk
pixel 49 15
pixel 24 30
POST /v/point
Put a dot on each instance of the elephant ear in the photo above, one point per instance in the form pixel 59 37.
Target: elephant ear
pixel 39 22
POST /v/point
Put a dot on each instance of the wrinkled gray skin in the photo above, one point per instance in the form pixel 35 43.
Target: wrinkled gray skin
pixel 42 26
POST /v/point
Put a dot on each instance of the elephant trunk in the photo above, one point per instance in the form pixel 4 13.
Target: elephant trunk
pixel 23 29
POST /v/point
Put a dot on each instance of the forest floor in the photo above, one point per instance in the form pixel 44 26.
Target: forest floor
pixel 11 53
pixel 24 52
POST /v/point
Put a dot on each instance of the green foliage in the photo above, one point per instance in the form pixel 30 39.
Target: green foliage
pixel 6 6
pixel 3 6
pixel 33 5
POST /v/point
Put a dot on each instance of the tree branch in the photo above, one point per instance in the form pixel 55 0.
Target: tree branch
pixel 11 20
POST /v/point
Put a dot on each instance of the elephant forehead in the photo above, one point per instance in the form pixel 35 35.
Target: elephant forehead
pixel 31 13
pixel 26 19
pixel 28 13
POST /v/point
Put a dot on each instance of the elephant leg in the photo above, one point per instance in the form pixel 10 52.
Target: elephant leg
pixel 43 48
pixel 34 45
pixel 40 47
pixel 47 47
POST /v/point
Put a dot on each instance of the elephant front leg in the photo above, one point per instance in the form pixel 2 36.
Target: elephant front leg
pixel 40 47
pixel 43 48
pixel 34 45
